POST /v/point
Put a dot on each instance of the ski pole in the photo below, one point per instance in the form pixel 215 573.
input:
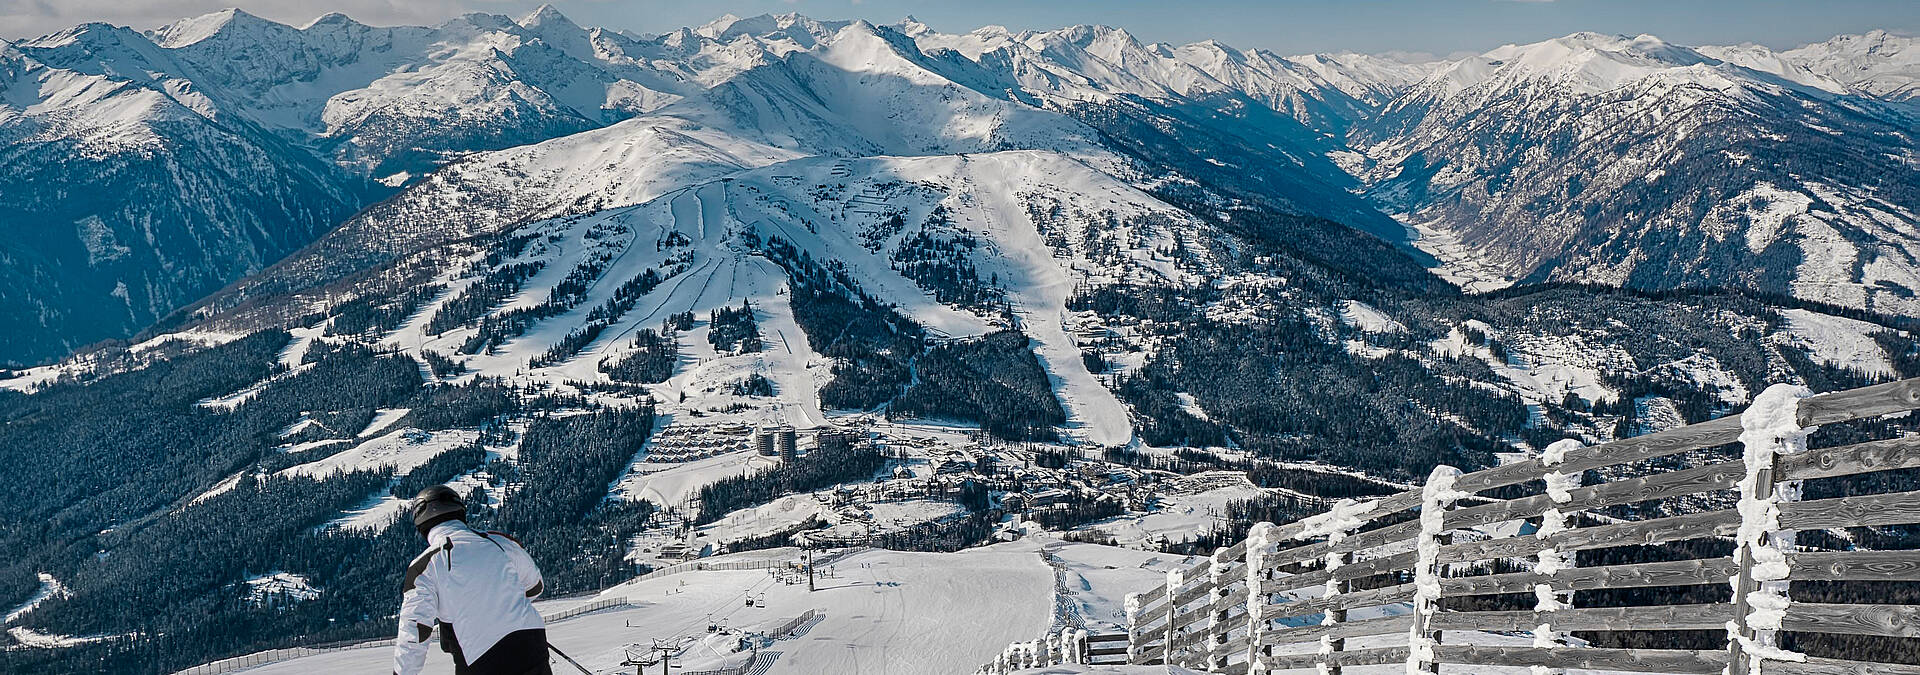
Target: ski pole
pixel 569 659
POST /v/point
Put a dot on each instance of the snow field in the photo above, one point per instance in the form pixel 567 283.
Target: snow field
pixel 1838 341
pixel 399 451
pixel 881 612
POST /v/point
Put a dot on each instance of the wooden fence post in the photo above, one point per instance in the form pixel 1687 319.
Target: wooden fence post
pixel 1136 633
pixel 1259 542
pixel 1218 648
pixel 1770 427
pixel 1548 561
pixel 1436 497
pixel 1175 577
pixel 1342 518
pixel 1330 645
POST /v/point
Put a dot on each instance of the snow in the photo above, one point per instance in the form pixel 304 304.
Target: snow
pixel 50 588
pixel 298 448
pixel 1343 517
pixel 1191 504
pixel 1541 367
pixel 824 206
pixel 674 485
pixel 661 170
pixel 1838 341
pixel 1560 484
pixel 1579 64
pixel 36 639
pixel 382 418
pixel 399 451
pixel 877 611
pixel 780 514
pixel 1364 317
pixel 1436 495
pixel 279 586
pixel 1770 427
pixel 1459 262
pixel 1765 208
pixel 383 508
pixel 224 486
pixel 1876 63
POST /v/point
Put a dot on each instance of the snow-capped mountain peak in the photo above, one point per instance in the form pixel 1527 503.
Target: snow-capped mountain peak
pixel 912 27
pixel 545 15
pixel 233 22
pixel 713 29
pixel 1876 63
pixel 1584 64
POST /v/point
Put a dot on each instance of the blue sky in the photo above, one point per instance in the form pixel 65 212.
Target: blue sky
pixel 1288 26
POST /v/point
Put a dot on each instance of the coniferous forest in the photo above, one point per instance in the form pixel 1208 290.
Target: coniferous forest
pixel 149 441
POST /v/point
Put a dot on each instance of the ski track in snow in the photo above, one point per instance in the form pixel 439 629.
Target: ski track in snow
pixel 50 588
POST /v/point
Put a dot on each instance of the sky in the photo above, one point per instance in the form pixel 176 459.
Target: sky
pixel 1440 27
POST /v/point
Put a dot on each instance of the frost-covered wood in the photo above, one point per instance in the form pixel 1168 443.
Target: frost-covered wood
pixel 1828 408
pixel 1340 631
pixel 1895 508
pixel 1887 620
pixel 1356 657
pixel 1855 565
pixel 1711 616
pixel 1660 486
pixel 1229 596
pixel 1371 597
pixel 1674 528
pixel 1819 666
pixel 1589 658
pixel 1439 495
pixel 1638 575
pixel 1898 453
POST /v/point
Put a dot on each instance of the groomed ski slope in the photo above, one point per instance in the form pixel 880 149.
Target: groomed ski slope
pixel 887 612
pixel 833 209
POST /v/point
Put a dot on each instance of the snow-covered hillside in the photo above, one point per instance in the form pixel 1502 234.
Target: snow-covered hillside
pixel 861 213
pixel 1631 161
pixel 1875 63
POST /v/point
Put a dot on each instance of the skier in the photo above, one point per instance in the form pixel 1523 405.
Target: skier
pixel 476 586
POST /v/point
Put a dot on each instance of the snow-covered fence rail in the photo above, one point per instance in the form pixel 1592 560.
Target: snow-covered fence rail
pixel 1421 577
pixel 1069 646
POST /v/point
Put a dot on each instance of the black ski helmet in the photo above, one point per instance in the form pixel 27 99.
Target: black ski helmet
pixel 435 505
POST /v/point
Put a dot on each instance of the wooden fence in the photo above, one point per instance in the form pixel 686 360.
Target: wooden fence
pixel 1069 646
pixel 1383 581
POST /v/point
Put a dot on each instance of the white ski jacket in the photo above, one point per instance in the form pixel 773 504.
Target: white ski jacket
pixel 480 583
